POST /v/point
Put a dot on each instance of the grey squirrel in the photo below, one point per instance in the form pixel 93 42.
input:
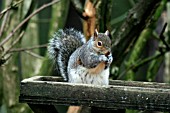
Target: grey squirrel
pixel 80 61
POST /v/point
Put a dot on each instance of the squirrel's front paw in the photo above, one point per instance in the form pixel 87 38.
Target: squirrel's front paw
pixel 103 58
pixel 110 59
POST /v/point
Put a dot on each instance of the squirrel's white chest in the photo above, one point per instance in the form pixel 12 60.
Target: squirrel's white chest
pixel 82 75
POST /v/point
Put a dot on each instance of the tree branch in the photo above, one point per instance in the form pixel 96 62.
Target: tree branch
pixel 141 63
pixel 34 54
pixel 149 59
pixel 79 8
pixel 163 38
pixel 31 9
pixel 136 21
pixel 15 42
pixel 4 21
pixel 10 7
pixel 26 19
pixel 27 48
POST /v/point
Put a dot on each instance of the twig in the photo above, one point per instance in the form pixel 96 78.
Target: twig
pixel 30 10
pixel 3 60
pixel 149 59
pixel 15 42
pixel 78 5
pixel 28 48
pixel 10 7
pixel 163 38
pixel 26 19
pixel 79 8
pixel 4 23
pixel 132 2
pixel 141 63
pixel 34 54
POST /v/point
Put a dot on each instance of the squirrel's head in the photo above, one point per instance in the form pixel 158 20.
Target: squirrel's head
pixel 102 42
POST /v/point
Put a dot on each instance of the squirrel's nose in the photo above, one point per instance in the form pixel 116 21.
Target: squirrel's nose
pixel 107 53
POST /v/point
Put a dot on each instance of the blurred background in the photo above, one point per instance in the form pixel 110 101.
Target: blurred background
pixel 140 33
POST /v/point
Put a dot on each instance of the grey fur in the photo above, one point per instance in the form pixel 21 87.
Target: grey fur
pixel 75 58
pixel 62 45
pixel 90 58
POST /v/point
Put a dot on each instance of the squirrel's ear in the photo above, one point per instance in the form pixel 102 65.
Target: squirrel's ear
pixel 95 34
pixel 107 33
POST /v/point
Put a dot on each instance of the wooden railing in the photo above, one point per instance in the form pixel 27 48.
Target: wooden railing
pixel 44 93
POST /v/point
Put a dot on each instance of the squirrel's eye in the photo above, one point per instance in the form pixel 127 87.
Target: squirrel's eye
pixel 99 43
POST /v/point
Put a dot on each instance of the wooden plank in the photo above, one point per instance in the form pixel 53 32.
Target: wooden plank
pixel 119 94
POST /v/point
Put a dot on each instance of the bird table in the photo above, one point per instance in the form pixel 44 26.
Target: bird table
pixel 45 94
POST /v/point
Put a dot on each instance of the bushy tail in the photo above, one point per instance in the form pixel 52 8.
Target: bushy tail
pixel 62 45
